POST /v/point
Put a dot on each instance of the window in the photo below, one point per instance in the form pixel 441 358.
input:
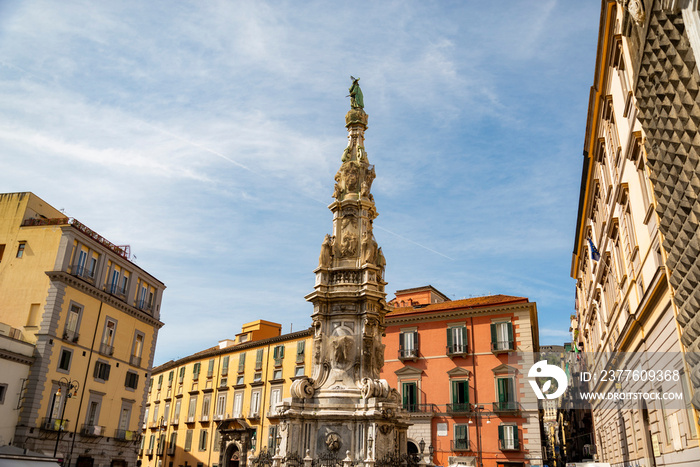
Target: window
pixel 241 363
pixel 502 336
pixel 172 443
pixel 170 378
pixel 277 374
pixel 188 441
pixel 257 377
pixel 64 360
pixel 181 376
pixel 166 413
pixel 408 345
pixel 137 349
pixel 206 403
pixel 272 438
pixel 409 391
pixel 210 370
pixel 259 359
pixel 456 340
pixel 255 404
pixel 240 380
pixel 80 267
pixel 145 417
pixel 237 404
pixel 195 370
pixel 460 396
pixel 2 251
pixel 20 250
pixel 505 388
pixel 192 409
pixel 156 408
pixel 124 417
pixel 151 443
pixel 114 285
pixel 224 366
pixel 221 406
pixel 107 346
pixel 275 398
pixel 132 380
pixel 101 372
pixel 160 382
pixel 301 345
pixel 3 390
pixel 278 354
pixel 202 440
pixel 72 323
pixel 176 414
pixel 217 442
pixel 508 439
pixel 299 370
pixel 93 413
pixel 461 437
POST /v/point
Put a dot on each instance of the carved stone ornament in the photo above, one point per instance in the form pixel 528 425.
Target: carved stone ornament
pixel 333 441
pixel 374 388
pixel 348 244
pixel 385 429
pixel 324 259
pixel 636 11
pixel 302 388
pixel 369 248
pixel 342 350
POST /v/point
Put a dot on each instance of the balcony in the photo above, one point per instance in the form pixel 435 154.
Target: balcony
pixel 408 354
pixel 54 424
pixel 506 408
pixel 143 305
pixel 70 335
pixel 84 273
pixel 421 408
pixel 456 350
pixel 124 435
pixel 509 444
pixel 117 291
pixel 502 346
pixel 465 445
pixel 135 361
pixel 92 430
pixel 106 349
pixel 459 407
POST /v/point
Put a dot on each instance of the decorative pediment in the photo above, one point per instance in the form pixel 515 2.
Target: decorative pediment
pixel 504 369
pixel 458 372
pixel 408 371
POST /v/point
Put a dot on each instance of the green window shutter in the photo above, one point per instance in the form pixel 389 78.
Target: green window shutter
pixel 275 352
pixel 502 390
pixel 170 376
pixel 510 335
pixel 300 347
pixel 405 395
pixel 464 339
pixel 449 339
pixel 494 337
pixel 281 351
pixel 501 434
pixel 516 438
pixel 460 432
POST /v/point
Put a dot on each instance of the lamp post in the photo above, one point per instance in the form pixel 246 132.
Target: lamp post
pixel 421 446
pixel 71 385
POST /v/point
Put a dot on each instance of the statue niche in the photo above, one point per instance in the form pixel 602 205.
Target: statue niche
pixel 324 259
pixel 348 242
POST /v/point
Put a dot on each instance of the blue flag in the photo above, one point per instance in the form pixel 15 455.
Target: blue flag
pixel 595 254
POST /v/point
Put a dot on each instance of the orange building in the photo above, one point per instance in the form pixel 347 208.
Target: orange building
pixel 461 367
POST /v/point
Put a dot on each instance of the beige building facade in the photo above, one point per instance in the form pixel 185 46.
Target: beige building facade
pixel 624 303
pixel 92 316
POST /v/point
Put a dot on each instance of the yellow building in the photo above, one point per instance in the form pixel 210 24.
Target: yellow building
pixel 93 317
pixel 624 304
pixel 232 388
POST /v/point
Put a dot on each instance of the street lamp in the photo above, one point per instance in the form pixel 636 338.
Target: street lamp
pixel 71 385
pixel 421 445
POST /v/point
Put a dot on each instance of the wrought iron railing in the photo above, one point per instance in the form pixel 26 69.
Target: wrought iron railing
pixel 54 424
pixel 504 407
pixel 457 349
pixel 461 445
pixel 407 354
pixel 92 430
pixel 135 360
pixel 107 350
pixel 125 435
pixel 459 407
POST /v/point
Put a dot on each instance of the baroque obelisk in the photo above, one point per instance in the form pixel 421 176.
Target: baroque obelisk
pixel 344 408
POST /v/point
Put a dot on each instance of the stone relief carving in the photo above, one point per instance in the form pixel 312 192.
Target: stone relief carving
pixel 374 388
pixel 333 441
pixel 636 10
pixel 302 388
pixel 369 248
pixel 348 244
pixel 379 356
pixel 342 350
pixel 324 259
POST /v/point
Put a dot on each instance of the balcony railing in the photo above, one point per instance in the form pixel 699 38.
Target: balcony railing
pixel 456 350
pixel 459 407
pixel 461 445
pixel 143 305
pixel 421 408
pixel 70 335
pixel 107 350
pixel 506 407
pixel 114 289
pixel 135 361
pixel 54 424
pixel 92 430
pixel 502 346
pixel 84 272
pixel 408 354
pixel 124 435
pixel 509 444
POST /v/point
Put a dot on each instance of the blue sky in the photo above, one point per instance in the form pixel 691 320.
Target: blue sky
pixel 206 135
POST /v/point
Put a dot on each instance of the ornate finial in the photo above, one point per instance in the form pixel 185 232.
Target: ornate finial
pixel 356 99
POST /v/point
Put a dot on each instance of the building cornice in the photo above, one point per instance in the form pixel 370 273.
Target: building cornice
pixel 16 357
pixel 64 277
pixel 440 315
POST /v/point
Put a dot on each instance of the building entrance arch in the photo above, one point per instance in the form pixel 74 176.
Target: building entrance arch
pixel 233 456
